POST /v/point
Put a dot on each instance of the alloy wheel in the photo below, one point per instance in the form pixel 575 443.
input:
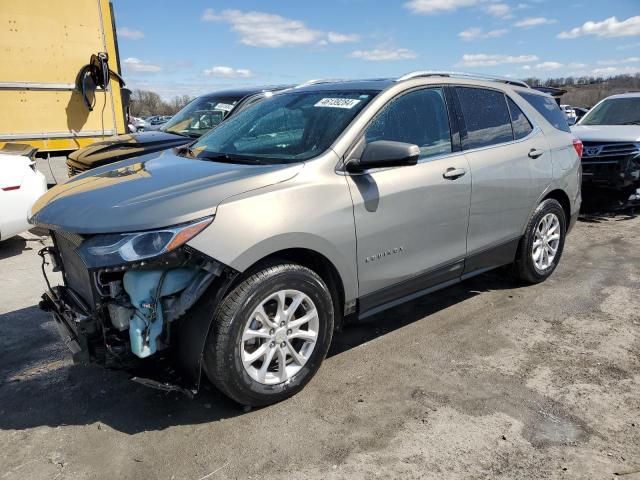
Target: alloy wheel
pixel 546 242
pixel 279 337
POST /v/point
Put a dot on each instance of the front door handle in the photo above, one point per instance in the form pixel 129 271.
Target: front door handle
pixel 535 153
pixel 453 173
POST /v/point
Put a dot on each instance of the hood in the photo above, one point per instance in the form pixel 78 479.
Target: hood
pixel 152 191
pixel 607 133
pixel 126 146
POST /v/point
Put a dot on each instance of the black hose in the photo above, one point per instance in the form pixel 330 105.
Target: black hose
pixel 98 71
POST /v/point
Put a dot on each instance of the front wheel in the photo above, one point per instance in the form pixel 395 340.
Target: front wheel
pixel 541 246
pixel 270 335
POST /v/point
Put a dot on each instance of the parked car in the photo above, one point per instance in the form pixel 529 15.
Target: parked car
pixel 555 92
pixel 138 123
pixel 241 255
pixel 21 184
pixel 610 133
pixel 570 113
pixel 193 120
pixel 156 122
pixel 580 112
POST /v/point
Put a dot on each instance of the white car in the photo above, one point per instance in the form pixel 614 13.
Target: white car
pixel 610 133
pixel 569 112
pixel 138 123
pixel 21 184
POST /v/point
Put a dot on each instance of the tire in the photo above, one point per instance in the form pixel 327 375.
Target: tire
pixel 240 332
pixel 527 267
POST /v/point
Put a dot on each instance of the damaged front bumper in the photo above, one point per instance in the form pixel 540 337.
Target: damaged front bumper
pixel 117 316
pixel 75 324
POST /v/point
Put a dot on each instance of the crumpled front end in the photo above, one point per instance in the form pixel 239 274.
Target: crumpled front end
pixel 127 314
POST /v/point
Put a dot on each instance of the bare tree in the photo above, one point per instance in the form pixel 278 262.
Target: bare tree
pixel 145 103
pixel 587 91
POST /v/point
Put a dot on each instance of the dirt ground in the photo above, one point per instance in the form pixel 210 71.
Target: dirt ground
pixel 484 380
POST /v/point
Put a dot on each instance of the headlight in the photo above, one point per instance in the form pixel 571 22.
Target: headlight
pixel 117 248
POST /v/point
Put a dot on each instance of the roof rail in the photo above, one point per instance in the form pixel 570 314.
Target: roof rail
pixel 477 76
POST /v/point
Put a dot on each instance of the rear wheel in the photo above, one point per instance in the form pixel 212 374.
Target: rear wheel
pixel 541 246
pixel 270 335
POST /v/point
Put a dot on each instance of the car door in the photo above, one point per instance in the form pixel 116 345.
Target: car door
pixel 411 222
pixel 509 161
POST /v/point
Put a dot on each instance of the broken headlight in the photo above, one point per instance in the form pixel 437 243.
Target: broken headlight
pixel 118 248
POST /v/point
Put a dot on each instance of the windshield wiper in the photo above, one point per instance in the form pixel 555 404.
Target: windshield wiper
pixel 634 122
pixel 227 158
pixel 183 133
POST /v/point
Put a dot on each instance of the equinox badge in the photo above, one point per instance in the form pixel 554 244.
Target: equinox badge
pixel 386 253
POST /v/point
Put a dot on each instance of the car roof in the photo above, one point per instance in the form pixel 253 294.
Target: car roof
pixel 242 92
pixel 379 84
pixel 625 95
pixel 374 84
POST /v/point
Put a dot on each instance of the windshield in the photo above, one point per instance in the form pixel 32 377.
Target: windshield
pixel 285 128
pixel 615 111
pixel 201 115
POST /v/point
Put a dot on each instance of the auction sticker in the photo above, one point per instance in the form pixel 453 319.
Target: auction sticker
pixel 337 102
pixel 225 107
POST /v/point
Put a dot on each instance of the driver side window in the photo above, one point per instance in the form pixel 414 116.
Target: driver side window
pixel 419 117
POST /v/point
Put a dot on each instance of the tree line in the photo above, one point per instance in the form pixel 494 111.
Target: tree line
pixel 587 91
pixel 583 91
pixel 144 103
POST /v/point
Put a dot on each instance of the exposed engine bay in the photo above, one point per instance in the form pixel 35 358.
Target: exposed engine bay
pixel 120 315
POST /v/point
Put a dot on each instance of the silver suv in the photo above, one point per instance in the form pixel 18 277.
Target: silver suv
pixel 239 256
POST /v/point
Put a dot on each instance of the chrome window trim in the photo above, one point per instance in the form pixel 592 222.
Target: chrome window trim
pixel 536 130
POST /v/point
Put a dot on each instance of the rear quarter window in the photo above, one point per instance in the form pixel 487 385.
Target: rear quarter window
pixel 548 108
pixel 521 125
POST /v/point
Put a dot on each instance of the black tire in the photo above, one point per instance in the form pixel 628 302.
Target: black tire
pixel 222 356
pixel 525 268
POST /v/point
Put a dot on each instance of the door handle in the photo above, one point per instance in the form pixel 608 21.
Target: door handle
pixel 453 173
pixel 534 153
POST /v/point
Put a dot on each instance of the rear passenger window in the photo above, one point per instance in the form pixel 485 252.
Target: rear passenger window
pixel 420 118
pixel 521 125
pixel 548 108
pixel 486 117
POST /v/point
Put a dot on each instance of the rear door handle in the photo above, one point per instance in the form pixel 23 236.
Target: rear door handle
pixel 453 173
pixel 534 153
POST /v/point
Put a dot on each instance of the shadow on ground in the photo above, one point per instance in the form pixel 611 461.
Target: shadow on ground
pixel 39 385
pixel 16 245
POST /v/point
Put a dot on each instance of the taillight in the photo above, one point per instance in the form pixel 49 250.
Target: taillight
pixel 8 189
pixel 577 144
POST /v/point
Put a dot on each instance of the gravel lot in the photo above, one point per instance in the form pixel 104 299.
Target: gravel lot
pixel 484 380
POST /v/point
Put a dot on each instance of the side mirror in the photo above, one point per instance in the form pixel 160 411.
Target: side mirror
pixel 384 154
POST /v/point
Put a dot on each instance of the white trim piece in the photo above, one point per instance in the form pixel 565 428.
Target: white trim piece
pixel 64 87
pixel 36 86
pixel 28 136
